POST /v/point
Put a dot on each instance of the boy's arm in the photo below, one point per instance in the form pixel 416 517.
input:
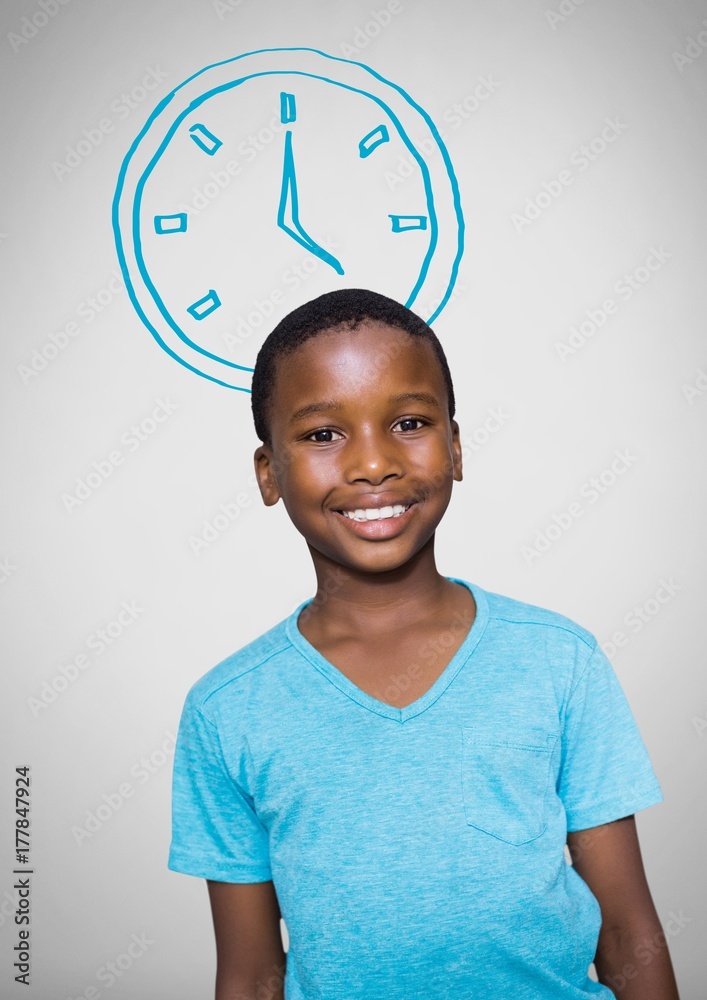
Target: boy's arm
pixel 632 956
pixel 249 954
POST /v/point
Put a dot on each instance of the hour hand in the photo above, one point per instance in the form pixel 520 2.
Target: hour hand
pixel 288 210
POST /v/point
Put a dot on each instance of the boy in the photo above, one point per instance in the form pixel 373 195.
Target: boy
pixel 395 768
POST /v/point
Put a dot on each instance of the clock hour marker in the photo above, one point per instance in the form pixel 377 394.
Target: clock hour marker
pixel 288 111
pixel 403 223
pixel 171 223
pixel 203 307
pixel 372 141
pixel 204 139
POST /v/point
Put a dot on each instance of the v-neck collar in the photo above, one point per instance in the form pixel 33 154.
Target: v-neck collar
pixel 354 692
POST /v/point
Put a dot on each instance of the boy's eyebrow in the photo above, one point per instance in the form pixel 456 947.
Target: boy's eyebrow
pixel 325 405
pixel 320 407
pixel 415 397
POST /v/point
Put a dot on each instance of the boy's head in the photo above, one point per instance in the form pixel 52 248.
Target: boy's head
pixel 354 403
pixel 346 308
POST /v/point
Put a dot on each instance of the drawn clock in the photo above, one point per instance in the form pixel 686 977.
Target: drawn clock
pixel 269 178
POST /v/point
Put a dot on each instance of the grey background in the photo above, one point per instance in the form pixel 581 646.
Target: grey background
pixel 639 383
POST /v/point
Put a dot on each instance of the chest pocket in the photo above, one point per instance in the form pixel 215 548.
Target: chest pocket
pixel 505 779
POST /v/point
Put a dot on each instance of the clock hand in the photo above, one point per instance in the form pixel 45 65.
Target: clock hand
pixel 289 200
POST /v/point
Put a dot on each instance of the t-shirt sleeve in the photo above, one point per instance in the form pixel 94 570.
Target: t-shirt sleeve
pixel 605 772
pixel 216 833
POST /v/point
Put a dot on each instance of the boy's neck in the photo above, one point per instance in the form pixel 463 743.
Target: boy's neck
pixel 350 601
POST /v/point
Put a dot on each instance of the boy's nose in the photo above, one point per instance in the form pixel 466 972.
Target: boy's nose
pixel 373 459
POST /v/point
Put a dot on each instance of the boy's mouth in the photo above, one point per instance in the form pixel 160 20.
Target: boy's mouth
pixel 368 512
pixel 375 513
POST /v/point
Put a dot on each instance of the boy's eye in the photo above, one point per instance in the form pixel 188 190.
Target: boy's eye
pixel 321 435
pixel 408 421
pixel 325 435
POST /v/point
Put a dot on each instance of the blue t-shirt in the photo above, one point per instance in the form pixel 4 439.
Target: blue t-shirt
pixel 416 852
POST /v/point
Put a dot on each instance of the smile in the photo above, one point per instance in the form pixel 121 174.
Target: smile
pixel 376 513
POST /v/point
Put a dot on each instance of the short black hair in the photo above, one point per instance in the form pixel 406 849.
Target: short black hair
pixel 347 307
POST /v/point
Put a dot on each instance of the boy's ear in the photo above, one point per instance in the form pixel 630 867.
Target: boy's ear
pixel 456 452
pixel 265 474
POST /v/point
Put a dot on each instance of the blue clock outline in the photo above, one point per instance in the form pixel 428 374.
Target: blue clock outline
pixel 174 128
pixel 211 301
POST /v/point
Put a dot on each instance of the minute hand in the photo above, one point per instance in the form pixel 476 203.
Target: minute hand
pixel 288 199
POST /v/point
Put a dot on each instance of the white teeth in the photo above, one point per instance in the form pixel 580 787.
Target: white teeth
pixel 376 513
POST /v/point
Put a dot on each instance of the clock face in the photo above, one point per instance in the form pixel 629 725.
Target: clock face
pixel 268 179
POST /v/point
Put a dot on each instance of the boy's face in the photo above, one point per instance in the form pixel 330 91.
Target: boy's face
pixel 359 422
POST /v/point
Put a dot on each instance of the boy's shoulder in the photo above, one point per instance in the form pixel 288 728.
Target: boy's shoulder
pixel 240 663
pixel 511 612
